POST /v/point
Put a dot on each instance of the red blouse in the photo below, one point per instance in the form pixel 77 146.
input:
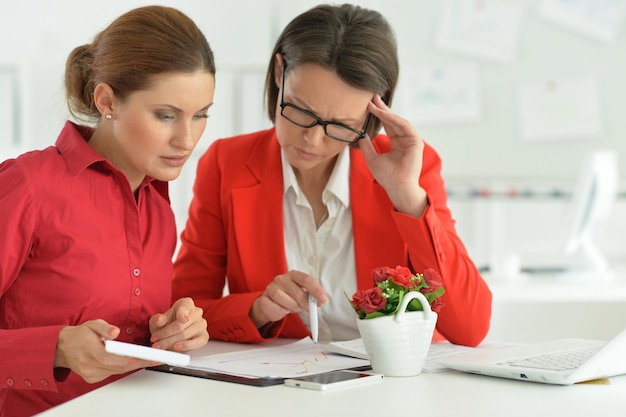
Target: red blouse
pixel 75 246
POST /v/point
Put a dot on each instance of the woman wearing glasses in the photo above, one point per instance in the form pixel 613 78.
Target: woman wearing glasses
pixel 315 203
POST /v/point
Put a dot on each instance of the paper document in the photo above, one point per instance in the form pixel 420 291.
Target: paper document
pixel 440 95
pixel 302 357
pixel 486 29
pixel 560 109
pixel 601 19
pixel 437 351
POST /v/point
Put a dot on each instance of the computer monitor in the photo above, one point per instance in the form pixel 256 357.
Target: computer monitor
pixel 591 204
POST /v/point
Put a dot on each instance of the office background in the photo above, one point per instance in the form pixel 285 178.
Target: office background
pixel 511 97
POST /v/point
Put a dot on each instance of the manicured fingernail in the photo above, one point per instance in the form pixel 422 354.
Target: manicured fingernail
pixel 178 346
pixel 156 346
pixel 153 339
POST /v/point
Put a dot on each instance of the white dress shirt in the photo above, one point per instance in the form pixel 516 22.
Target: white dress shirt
pixel 327 253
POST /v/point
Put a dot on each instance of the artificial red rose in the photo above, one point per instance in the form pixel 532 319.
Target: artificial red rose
pixel 433 280
pixel 401 275
pixel 369 300
pixel 381 274
pixel 437 305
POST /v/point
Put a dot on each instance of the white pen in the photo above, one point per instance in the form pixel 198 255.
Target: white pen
pixel 313 317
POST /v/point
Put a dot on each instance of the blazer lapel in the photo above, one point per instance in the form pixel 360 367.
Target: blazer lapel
pixel 258 216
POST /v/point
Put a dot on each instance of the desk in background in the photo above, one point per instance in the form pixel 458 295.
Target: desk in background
pixel 534 308
pixel 448 394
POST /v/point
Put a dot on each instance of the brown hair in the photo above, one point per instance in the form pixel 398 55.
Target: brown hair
pixel 358 44
pixel 134 48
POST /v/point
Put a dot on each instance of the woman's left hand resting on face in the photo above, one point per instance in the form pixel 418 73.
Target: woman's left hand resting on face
pixel 397 171
pixel 181 328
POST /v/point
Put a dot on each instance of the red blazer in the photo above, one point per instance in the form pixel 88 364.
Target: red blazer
pixel 235 230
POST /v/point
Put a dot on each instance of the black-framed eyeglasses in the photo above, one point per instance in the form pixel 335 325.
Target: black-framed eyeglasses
pixel 304 118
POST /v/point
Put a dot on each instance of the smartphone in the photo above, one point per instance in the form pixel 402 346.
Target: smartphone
pixel 334 379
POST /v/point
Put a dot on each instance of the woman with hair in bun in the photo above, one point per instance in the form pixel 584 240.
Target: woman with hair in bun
pixel 86 228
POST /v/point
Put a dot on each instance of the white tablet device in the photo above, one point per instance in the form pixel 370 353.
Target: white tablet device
pixel 334 379
pixel 147 353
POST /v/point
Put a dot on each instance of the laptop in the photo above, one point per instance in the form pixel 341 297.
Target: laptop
pixel 562 362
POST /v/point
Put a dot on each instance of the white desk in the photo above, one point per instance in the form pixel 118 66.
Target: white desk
pixel 156 394
pixel 534 308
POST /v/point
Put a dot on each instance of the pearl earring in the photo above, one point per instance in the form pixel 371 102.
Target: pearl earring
pixel 108 117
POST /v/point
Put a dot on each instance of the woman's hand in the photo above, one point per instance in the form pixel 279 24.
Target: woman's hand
pixel 181 328
pixel 81 349
pixel 397 171
pixel 288 293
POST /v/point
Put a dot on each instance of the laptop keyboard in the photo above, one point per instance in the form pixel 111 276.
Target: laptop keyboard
pixel 561 361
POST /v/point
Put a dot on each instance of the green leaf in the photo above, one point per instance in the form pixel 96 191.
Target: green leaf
pixel 373 315
pixel 414 305
pixel 436 294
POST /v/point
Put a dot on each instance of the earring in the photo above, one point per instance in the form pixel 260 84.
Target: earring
pixel 108 116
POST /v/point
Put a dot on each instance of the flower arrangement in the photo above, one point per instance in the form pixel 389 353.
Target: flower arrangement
pixel 390 286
